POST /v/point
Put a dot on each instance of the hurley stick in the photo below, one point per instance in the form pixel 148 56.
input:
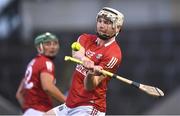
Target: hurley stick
pixel 154 91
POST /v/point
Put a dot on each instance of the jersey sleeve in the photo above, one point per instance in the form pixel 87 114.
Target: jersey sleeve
pixel 111 58
pixel 82 39
pixel 110 63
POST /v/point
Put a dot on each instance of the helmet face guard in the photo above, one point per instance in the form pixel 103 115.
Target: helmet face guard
pixel 114 16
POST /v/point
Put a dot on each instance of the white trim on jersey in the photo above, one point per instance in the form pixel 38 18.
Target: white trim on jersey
pixel 49 65
pixel 112 62
pixel 110 42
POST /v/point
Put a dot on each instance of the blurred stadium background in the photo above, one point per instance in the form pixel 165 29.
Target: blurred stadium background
pixel 150 42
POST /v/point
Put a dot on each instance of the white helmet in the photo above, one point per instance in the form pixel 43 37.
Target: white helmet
pixel 115 16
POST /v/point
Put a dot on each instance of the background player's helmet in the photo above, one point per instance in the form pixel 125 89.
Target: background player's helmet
pixel 44 38
pixel 114 16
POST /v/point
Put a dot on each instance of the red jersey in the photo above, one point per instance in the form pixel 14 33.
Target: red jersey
pixel 107 56
pixel 34 95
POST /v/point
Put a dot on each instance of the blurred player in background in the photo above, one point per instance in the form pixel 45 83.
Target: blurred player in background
pixel 38 86
pixel 87 95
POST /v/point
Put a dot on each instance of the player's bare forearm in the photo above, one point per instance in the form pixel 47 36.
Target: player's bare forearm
pixel 89 81
pixel 56 93
pixel 19 93
pixel 20 100
pixel 47 81
pixel 19 96
pixel 92 80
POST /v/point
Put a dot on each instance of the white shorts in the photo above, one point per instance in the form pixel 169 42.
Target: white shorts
pixel 33 112
pixel 63 110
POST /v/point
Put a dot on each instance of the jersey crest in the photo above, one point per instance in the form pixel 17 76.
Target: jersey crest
pixel 90 53
pixel 98 56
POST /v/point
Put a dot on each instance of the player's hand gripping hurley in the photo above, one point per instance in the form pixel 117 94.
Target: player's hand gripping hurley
pixel 154 91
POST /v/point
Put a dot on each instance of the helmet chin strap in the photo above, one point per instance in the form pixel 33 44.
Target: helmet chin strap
pixel 41 49
pixel 104 37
